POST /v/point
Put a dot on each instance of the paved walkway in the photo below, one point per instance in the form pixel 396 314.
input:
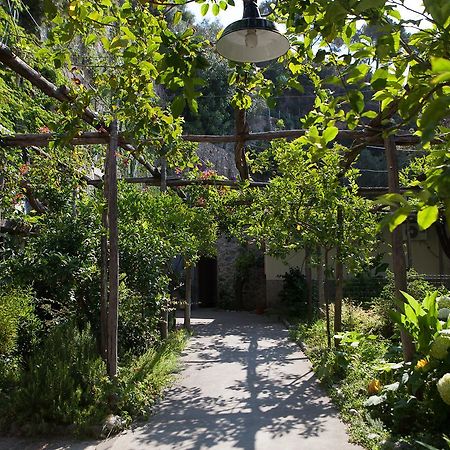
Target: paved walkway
pixel 243 386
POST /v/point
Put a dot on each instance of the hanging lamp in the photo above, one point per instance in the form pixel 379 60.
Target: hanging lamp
pixel 252 39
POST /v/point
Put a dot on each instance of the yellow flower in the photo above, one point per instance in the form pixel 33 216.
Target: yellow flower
pixel 374 387
pixel 421 363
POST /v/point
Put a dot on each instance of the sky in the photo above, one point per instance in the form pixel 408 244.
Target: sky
pixel 235 13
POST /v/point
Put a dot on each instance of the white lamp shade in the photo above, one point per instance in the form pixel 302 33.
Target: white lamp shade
pixel 252 40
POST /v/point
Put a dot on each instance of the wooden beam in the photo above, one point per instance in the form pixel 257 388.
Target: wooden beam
pixel 90 138
pixel 398 253
pixel 177 182
pixel 113 237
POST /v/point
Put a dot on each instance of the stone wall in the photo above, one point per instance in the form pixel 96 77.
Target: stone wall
pixel 240 284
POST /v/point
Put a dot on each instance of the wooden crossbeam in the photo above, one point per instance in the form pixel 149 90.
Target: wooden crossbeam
pixel 179 182
pixel 90 138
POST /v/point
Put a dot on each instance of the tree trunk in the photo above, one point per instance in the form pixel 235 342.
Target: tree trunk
pixel 113 275
pixel 327 300
pixel 188 298
pixel 398 253
pixel 309 287
pixel 320 281
pixel 164 320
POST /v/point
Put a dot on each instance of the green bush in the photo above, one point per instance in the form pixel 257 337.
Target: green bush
pixel 418 287
pixel 16 312
pixel 64 383
pixel 65 388
pixel 138 322
pixel 409 399
pixel 294 294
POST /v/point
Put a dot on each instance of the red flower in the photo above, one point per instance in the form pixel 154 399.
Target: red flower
pixel 23 169
pixel 44 129
pixel 208 173
pixel 17 198
pixel 201 201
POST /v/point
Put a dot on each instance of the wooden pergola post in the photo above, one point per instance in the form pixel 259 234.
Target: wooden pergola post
pixel 398 253
pixel 113 238
pixel 104 291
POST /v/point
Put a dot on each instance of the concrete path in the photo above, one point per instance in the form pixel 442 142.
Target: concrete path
pixel 244 385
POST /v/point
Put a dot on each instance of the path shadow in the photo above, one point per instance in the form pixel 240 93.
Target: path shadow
pixel 275 395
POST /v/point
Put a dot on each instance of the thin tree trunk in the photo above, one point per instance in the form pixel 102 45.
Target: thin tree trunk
pixel 408 245
pixel 188 298
pixel 113 275
pixel 398 253
pixel 320 281
pixel 339 294
pixel 308 277
pixel 327 300
pixel 164 320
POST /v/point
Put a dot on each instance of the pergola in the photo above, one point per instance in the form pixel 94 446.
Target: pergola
pixel 374 133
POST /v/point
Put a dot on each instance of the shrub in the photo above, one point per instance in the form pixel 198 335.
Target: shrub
pixel 64 383
pixel 415 394
pixel 294 293
pixel 347 372
pixel 16 313
pixel 138 322
pixel 418 287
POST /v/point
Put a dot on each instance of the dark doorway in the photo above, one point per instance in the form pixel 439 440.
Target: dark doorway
pixel 207 282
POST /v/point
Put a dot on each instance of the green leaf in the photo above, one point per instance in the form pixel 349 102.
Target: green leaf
pixel 397 218
pixel 364 5
pixel 392 199
pixel 442 67
pixel 215 9
pixel 357 100
pixel 435 111
pixel 177 17
pixel 439 65
pixel 410 315
pixel 178 105
pixel 415 305
pixel 204 9
pixel 395 316
pixel 375 400
pixel 330 133
pixel 379 79
pixel 427 216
